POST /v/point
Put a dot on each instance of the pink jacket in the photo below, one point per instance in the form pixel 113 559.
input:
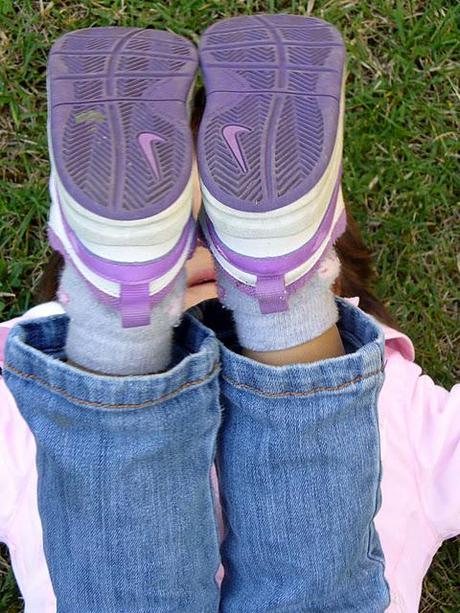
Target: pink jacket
pixel 420 435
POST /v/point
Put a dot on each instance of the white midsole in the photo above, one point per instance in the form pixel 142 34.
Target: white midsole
pixel 134 240
pixel 264 234
pixel 148 238
pixel 109 287
pixel 289 277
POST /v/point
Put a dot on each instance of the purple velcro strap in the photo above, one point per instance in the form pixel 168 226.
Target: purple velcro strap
pixel 135 305
pixel 271 294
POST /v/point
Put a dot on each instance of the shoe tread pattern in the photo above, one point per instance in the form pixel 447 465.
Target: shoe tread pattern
pixel 106 87
pixel 280 78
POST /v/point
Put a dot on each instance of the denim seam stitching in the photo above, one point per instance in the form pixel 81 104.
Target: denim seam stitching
pixel 372 528
pixel 315 390
pixel 146 403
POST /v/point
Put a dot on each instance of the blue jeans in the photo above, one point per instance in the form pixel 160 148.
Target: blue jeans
pixel 124 473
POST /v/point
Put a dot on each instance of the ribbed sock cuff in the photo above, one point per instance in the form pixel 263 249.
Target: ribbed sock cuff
pixel 312 311
pixel 97 341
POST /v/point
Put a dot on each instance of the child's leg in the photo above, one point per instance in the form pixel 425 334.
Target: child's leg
pixel 123 473
pixel 123 462
pixel 298 459
pixel 328 345
pixel 299 470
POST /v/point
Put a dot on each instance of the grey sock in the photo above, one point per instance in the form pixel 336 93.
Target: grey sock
pixel 312 311
pixel 97 341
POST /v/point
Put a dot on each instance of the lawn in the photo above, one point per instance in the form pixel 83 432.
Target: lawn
pixel 401 166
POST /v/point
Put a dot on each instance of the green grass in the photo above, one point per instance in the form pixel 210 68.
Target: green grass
pixel 400 169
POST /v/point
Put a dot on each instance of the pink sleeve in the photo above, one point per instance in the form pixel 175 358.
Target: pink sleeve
pixel 13 473
pixel 434 426
pixel 16 444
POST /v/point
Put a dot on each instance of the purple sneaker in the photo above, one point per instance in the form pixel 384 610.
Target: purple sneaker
pixel 121 161
pixel 270 150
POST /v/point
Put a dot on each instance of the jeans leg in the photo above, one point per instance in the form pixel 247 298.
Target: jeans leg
pixel 123 473
pixel 299 471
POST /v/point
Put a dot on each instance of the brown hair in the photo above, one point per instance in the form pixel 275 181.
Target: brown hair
pixel 355 277
pixel 357 272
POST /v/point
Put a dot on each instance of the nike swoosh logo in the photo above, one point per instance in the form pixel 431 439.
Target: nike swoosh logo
pixel 230 134
pixel 145 141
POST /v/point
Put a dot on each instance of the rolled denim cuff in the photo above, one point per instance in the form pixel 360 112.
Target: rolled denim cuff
pixel 123 464
pixel 299 473
pixel 35 349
